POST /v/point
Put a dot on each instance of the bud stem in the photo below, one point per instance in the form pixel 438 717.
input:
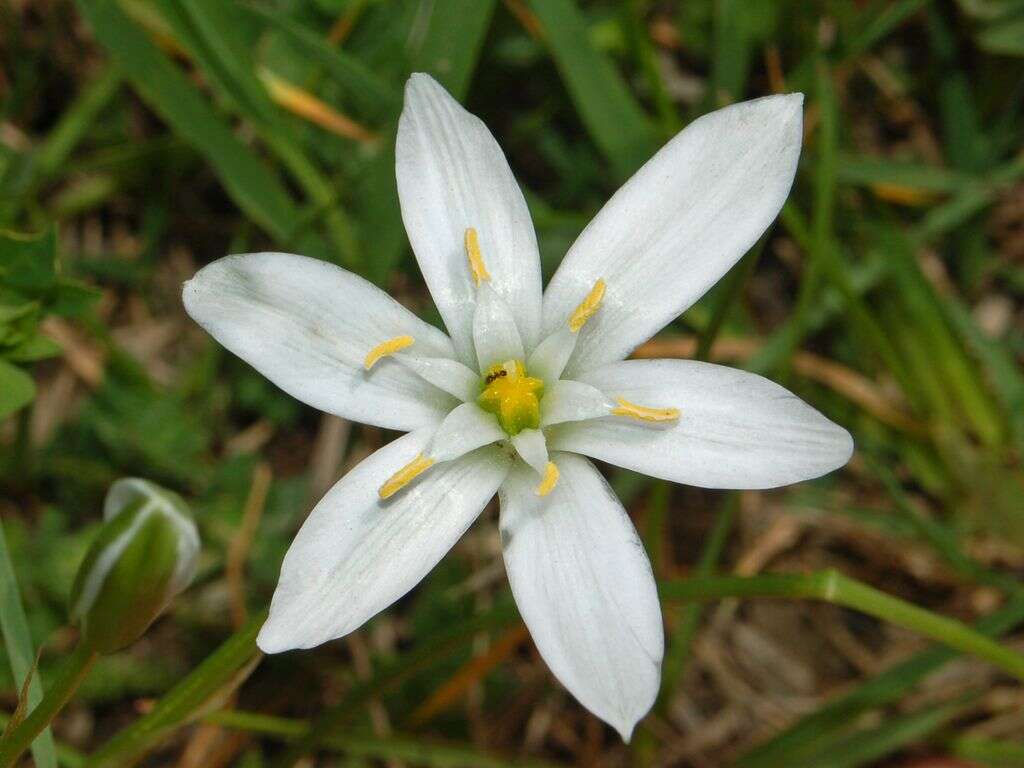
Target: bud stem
pixel 63 688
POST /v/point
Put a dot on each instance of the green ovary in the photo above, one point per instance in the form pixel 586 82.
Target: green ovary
pixel 512 396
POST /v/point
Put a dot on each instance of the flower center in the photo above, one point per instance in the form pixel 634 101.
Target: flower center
pixel 512 396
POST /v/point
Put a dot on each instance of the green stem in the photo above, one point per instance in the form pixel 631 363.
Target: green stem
pixel 220 674
pixel 65 755
pixel 63 688
pixel 833 587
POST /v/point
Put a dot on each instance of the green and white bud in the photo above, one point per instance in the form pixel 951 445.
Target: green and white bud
pixel 144 556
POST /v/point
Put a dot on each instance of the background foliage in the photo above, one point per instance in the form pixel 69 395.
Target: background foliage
pixel 140 139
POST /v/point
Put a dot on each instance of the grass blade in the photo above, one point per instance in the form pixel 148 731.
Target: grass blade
pixel 394 747
pixel 77 120
pixel 330 720
pixel 608 110
pixel 993 754
pixel 371 96
pixel 833 587
pixel 451 46
pixel 816 728
pixel 681 637
pixel 205 688
pixel 256 190
pixel 16 388
pixel 212 31
pixel 18 644
pixel 868 746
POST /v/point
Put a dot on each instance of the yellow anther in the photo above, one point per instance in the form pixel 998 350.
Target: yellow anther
pixel 386 348
pixel 642 413
pixel 476 259
pixel 587 307
pixel 405 475
pixel 547 485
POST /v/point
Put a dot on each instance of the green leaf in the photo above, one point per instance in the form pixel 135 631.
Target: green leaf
pixel 256 190
pixel 854 169
pixel 71 298
pixel 607 108
pixel 888 18
pixel 16 389
pixel 451 45
pixel 12 312
pixel 944 349
pixel 739 26
pixel 989 753
pixel 18 644
pixel 37 347
pixel 28 262
pixel 371 96
pixel 867 746
pixel 77 119
pixel 221 37
pixel 1004 37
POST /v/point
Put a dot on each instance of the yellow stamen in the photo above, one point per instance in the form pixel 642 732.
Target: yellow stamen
pixel 386 348
pixel 642 413
pixel 306 105
pixel 476 259
pixel 587 307
pixel 547 485
pixel 405 475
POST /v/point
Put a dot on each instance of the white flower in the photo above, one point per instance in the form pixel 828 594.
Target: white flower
pixel 525 386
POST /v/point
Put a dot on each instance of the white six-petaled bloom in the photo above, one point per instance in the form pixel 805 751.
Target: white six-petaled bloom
pixel 525 386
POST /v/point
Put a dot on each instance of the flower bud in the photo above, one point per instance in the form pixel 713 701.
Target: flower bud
pixel 145 554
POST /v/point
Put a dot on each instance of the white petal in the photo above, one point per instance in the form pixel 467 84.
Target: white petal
pixel 452 175
pixel 465 429
pixel 355 555
pixel 450 375
pixel 584 587
pixel 307 326
pixel 677 226
pixel 532 448
pixel 570 400
pixel 736 429
pixel 548 360
pixel 494 330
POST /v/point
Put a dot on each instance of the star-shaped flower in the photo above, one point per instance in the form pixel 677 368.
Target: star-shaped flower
pixel 525 386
